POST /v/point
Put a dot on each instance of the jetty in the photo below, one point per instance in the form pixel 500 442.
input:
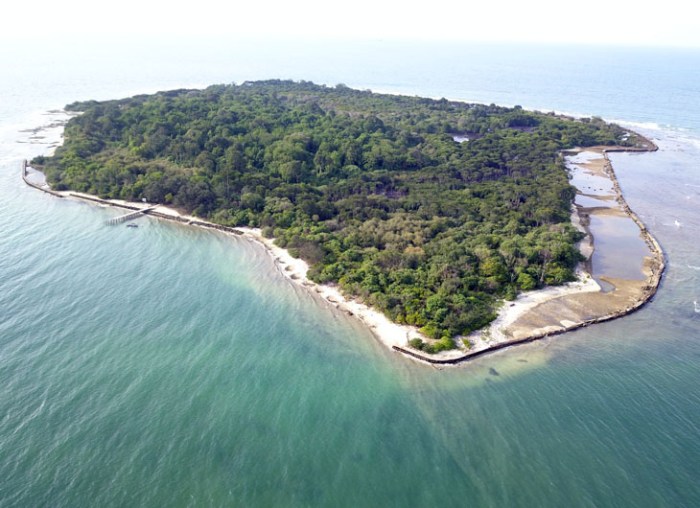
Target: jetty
pixel 131 215
pixel 135 209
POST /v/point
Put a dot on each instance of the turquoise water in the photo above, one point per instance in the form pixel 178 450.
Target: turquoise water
pixel 172 366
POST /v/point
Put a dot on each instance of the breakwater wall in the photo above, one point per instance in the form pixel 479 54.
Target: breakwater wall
pixel 151 212
pixel 43 188
pixel 148 211
pixel 656 268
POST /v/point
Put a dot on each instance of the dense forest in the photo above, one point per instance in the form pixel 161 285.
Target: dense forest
pixel 429 210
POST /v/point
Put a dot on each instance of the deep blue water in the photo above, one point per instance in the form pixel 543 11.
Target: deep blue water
pixel 167 366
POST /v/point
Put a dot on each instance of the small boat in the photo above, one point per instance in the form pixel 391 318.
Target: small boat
pixel 132 225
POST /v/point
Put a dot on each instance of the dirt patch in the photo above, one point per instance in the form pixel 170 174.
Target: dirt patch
pixel 559 313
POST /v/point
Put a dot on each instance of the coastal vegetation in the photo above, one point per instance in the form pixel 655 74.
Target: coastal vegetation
pixel 430 210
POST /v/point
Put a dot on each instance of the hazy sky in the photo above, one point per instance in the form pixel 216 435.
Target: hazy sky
pixel 668 23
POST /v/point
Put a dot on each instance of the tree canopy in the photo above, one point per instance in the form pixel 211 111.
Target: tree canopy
pixel 377 192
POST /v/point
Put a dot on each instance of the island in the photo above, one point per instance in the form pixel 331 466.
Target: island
pixel 445 226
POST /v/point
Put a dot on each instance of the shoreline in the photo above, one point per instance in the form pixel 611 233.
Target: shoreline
pixel 386 331
pixel 653 267
pixel 396 336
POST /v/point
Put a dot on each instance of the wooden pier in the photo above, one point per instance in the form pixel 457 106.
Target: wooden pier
pixel 130 215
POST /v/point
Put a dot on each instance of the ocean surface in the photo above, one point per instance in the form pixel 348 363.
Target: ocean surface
pixel 171 366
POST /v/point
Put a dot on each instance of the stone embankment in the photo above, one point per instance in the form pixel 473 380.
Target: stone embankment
pixel 656 268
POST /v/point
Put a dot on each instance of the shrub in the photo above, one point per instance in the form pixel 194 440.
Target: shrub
pixel 444 344
pixel 416 344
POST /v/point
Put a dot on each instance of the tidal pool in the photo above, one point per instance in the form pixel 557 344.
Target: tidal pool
pixel 619 247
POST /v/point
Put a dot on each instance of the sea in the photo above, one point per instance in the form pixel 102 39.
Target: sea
pixel 167 365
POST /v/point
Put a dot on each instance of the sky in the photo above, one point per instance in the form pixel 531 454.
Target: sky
pixel 671 23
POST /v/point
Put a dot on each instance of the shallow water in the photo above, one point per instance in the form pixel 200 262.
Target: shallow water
pixel 591 202
pixel 165 365
pixel 619 248
pixel 592 185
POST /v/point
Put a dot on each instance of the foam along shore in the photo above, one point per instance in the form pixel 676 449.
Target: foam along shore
pixel 533 315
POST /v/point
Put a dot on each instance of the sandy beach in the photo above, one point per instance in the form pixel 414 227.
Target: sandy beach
pixel 555 310
pixel 389 333
pixel 295 269
pixel 532 315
